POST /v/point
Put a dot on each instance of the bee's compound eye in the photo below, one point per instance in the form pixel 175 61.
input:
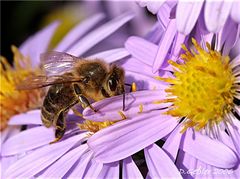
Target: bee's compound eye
pixel 112 83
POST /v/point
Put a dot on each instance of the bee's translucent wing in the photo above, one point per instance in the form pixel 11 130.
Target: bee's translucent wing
pixel 39 81
pixel 57 63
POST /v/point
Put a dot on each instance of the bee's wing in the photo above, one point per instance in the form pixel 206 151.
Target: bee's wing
pixel 39 81
pixel 57 63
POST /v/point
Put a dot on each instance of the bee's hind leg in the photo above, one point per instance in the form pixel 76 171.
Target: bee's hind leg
pixel 82 99
pixel 60 127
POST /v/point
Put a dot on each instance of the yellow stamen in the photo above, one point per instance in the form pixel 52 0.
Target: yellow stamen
pixel 203 87
pixel 12 101
pixel 140 108
pixel 122 115
pixel 134 87
pixel 93 126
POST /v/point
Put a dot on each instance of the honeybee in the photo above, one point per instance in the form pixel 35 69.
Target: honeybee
pixel 72 80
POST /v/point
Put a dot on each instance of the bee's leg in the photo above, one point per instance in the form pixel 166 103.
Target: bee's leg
pixel 82 99
pixel 60 127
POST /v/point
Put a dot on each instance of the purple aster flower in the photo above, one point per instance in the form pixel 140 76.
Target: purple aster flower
pixel 35 157
pixel 181 17
pixel 206 135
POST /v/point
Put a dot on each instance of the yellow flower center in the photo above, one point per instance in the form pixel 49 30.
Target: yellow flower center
pixel 12 101
pixel 202 90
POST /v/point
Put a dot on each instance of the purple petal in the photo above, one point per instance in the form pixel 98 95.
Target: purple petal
pixel 111 55
pixel 228 37
pixel 152 6
pixel 81 168
pixel 8 133
pixel 235 13
pixel 37 44
pixel 177 46
pixel 99 34
pixel 187 15
pixel 236 122
pixel 144 82
pixel 108 108
pixel 130 169
pixel 207 150
pixel 65 163
pixel 141 49
pixel 184 163
pixel 6 162
pixel 226 139
pixel 164 13
pixel 93 169
pixel 165 45
pixel 135 65
pixel 78 31
pixel 235 136
pixel 172 143
pixel 127 137
pixel 41 158
pixel 27 140
pixel 31 117
pixel 110 171
pixel 159 164
pixel 216 14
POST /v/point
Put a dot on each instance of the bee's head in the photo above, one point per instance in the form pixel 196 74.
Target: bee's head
pixel 114 83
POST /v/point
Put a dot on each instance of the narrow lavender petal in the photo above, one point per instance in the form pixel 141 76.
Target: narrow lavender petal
pixel 133 64
pixel 27 140
pixel 111 56
pixel 41 158
pixel 108 108
pixel 159 164
pixel 8 133
pixel 127 137
pixel 143 82
pixel 228 37
pixel 130 169
pixel 184 163
pixel 209 151
pixel 31 117
pixel 235 136
pixel 99 34
pixel 187 14
pixel 38 43
pixel 236 123
pixel 6 162
pixel 141 49
pixel 65 163
pixel 164 13
pixel 81 167
pixel 78 31
pixel 177 46
pixel 235 13
pixel 172 143
pixel 152 6
pixel 226 139
pixel 164 45
pixel 93 170
pixel 216 14
pixel 110 171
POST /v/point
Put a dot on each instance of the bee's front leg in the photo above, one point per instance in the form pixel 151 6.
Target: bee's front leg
pixel 82 99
